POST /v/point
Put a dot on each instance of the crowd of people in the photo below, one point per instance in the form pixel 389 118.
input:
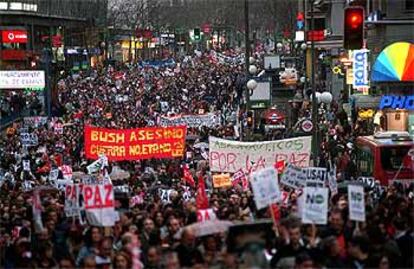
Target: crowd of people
pixel 157 227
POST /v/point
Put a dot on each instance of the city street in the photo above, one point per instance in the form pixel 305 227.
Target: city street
pixel 164 134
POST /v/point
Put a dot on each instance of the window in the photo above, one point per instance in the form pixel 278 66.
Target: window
pixel 392 157
pixel 365 161
pixel 409 5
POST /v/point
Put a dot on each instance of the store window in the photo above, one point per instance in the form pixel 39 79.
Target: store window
pixel 365 162
pixel 409 5
pixel 392 158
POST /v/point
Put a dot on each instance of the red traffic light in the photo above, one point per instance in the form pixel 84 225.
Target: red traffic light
pixel 353 27
pixel 354 18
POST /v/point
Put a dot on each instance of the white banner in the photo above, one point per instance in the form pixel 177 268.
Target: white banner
pixel 265 187
pixel 230 156
pixel 360 68
pixel 22 79
pixel 356 202
pixel 191 121
pixel 100 205
pixel 315 205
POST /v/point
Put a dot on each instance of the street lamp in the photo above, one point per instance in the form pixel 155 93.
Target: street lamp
pixel 303 46
pixel 279 46
pixel 252 70
pixel 326 98
pixel 251 84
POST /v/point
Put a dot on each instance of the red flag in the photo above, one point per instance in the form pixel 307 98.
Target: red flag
pixel 275 212
pixel 187 177
pixel 201 199
pixel 280 166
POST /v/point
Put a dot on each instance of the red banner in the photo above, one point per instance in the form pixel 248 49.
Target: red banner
pixel 14 36
pixel 135 144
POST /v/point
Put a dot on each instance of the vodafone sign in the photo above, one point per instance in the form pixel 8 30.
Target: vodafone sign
pixel 14 36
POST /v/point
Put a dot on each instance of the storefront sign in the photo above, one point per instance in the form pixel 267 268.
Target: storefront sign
pixel 135 144
pixel 22 79
pixel 14 36
pixel 360 68
pixel 401 102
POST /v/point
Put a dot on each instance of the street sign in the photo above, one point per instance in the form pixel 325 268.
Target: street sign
pixel 307 126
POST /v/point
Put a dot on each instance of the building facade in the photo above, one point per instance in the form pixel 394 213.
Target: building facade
pixel 67 28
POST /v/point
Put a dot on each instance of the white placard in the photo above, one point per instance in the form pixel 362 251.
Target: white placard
pixel 315 205
pixel 22 79
pixel 231 156
pixel 72 199
pixel 315 176
pixel 293 177
pixel 99 205
pixel 26 165
pixel 356 202
pixel 265 187
pixel 206 214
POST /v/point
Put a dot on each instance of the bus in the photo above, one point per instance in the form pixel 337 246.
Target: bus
pixel 386 156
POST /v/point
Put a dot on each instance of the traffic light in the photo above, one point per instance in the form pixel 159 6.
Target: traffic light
pixel 354 28
pixel 197 34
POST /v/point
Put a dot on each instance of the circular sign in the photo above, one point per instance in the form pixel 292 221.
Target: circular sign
pixel 11 36
pixel 307 126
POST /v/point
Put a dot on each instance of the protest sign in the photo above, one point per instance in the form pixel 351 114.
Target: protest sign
pixel 315 205
pixel 99 205
pixel 34 121
pixel 135 144
pixel 136 200
pixel 29 139
pixel 238 177
pixel 66 171
pixel 356 201
pixel 206 214
pixel 332 183
pixel 28 185
pixel 293 177
pixel 60 184
pixel 315 176
pixel 165 195
pixel 191 121
pixel 53 175
pixel 26 165
pixel 265 187
pixel 73 194
pixel 230 156
pixel 221 181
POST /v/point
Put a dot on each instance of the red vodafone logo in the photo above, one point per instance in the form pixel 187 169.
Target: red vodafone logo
pixel 14 36
pixel 307 126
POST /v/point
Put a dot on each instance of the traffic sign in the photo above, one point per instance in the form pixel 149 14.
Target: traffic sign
pixel 307 126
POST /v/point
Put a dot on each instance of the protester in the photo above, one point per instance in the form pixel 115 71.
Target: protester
pixel 156 199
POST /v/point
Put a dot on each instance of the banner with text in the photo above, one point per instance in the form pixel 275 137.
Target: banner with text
pixel 191 121
pixel 230 156
pixel 135 144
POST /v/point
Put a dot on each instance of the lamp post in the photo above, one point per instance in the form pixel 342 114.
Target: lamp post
pixel 315 147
